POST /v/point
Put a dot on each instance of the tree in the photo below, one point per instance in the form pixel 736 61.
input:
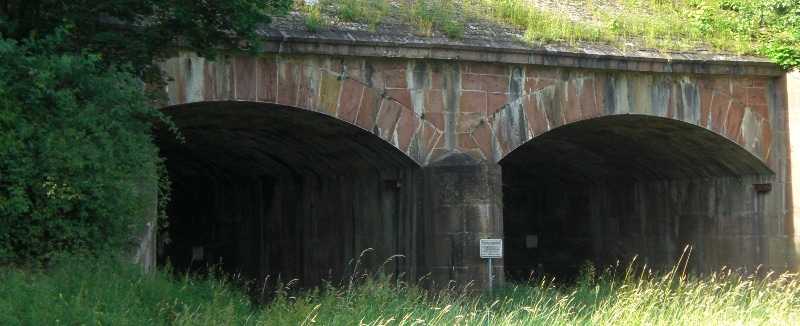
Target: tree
pixel 139 32
pixel 75 121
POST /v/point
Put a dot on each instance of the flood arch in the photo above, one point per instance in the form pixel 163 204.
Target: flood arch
pixel 606 189
pixel 270 191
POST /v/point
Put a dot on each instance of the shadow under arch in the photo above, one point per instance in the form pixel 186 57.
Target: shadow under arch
pixel 270 191
pixel 607 189
pixel 639 147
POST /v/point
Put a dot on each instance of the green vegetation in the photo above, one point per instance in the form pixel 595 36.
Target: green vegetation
pixel 443 15
pixel 76 154
pixel 764 27
pixel 103 291
pixel 74 144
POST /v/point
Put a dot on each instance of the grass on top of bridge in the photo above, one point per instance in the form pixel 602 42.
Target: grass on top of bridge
pixel 763 27
pixel 91 291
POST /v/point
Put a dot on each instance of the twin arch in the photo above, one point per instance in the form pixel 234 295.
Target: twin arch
pixel 305 161
pixel 431 110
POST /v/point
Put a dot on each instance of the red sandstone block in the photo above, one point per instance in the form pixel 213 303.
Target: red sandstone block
pixel 487 68
pixel 599 95
pixel 671 100
pixel 733 122
pixel 471 82
pixel 465 142
pixel 766 139
pixel 334 65
pixel 437 80
pixel 483 136
pixel 533 85
pixel 722 84
pixel 209 81
pixel 495 102
pixel 706 94
pixel 368 110
pixel 395 78
pixel 244 71
pixel 500 132
pixel 306 94
pixel 760 82
pixel 472 102
pixel 571 105
pixel 329 91
pixel 434 101
pixel 287 83
pixel 352 91
pixel 530 85
pixel 436 119
pixel 761 110
pixel 739 91
pixel 388 117
pixel 588 100
pixel 718 111
pixel 466 122
pixel 756 96
pixel 428 138
pixel 267 79
pixel 218 81
pixel 406 128
pixel 541 72
pixel 402 96
pixel 537 119
pixel 386 65
pixel 495 84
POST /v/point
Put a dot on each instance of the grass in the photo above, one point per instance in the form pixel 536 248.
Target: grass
pixel 657 24
pixel 81 291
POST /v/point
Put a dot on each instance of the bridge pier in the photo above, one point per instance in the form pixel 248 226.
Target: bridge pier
pixel 463 205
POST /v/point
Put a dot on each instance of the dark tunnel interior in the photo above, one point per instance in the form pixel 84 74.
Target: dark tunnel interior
pixel 276 193
pixel 605 190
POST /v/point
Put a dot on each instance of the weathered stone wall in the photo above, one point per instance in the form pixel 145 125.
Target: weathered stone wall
pixel 430 109
pixel 724 220
pixel 289 226
pixel 463 204
pixel 458 119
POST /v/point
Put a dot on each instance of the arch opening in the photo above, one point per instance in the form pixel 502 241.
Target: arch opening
pixel 605 190
pixel 274 193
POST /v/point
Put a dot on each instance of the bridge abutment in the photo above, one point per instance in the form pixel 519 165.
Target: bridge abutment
pixel 611 160
pixel 463 205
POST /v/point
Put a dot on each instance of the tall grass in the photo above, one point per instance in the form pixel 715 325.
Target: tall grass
pixel 657 24
pixel 83 291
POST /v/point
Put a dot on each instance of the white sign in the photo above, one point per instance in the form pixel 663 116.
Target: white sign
pixel 491 248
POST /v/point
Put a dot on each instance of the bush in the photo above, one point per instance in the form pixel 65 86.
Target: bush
pixel 75 151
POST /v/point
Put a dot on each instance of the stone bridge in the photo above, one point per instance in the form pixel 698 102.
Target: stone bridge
pixel 321 155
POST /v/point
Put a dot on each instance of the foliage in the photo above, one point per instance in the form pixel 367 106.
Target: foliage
pixel 74 146
pixel 370 12
pixel 104 291
pixel 765 27
pixel 762 27
pixel 76 154
pixel 430 15
pixel 139 32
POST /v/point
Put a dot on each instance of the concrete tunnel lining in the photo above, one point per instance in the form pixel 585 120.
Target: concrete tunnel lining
pixel 633 147
pixel 272 191
pixel 607 189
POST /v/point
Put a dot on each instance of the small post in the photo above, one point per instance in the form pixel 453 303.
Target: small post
pixel 490 249
pixel 491 276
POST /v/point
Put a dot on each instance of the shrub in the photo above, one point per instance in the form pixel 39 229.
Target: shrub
pixel 75 151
